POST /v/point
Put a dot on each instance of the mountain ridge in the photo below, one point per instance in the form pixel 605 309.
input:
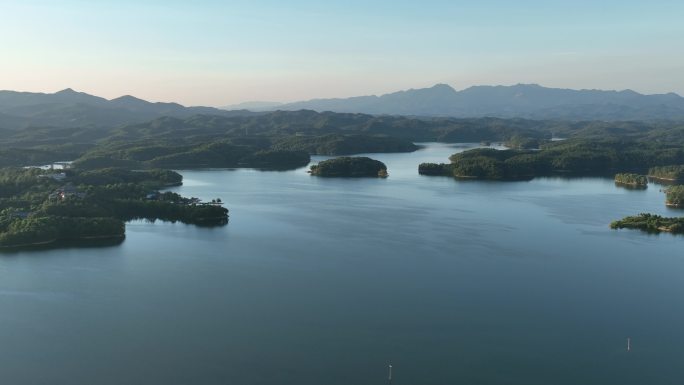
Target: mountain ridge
pixel 70 108
pixel 531 101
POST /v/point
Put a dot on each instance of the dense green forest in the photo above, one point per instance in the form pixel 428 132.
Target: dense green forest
pixel 351 167
pixel 106 188
pixel 631 179
pixel 48 207
pixel 213 154
pixel 675 196
pixel 674 173
pixel 337 144
pixel 50 229
pixel 650 223
pixel 568 157
pixel 521 142
pixel 249 140
pixel 436 169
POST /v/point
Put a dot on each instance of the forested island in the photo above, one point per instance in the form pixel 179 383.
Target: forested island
pixel 350 167
pixel 631 180
pixel 48 208
pixel 650 223
pixel 655 223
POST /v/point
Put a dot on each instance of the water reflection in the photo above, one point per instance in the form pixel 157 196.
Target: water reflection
pixel 323 280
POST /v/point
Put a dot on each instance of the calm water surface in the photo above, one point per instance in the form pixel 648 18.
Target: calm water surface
pixel 326 281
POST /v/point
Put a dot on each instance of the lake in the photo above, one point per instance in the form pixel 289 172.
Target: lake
pixel 327 281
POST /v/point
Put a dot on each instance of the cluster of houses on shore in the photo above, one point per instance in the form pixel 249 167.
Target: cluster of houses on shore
pixel 159 196
pixel 69 191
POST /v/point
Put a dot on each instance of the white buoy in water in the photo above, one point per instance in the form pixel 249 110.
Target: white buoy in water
pixel 629 344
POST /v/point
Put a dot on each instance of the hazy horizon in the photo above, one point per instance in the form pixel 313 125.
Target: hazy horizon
pixel 221 53
pixel 333 97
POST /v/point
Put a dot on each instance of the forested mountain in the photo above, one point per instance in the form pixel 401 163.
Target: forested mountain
pixel 522 100
pixel 68 125
pixel 68 108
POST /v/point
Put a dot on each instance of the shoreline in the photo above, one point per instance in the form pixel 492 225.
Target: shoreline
pixel 631 185
pixel 65 240
pixel 666 180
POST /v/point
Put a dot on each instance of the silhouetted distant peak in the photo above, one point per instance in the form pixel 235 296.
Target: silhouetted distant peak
pixel 70 92
pixel 630 92
pixel 442 86
pixel 436 91
pixel 127 98
pixel 68 95
pixel 526 85
pixel 443 90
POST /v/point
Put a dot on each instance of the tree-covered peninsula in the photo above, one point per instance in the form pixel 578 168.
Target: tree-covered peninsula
pixel 675 196
pixel 670 173
pixel 579 157
pixel 49 208
pixel 351 167
pixel 436 169
pixel 485 163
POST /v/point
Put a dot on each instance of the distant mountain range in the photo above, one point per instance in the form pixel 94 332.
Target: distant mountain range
pixel 68 108
pixel 530 101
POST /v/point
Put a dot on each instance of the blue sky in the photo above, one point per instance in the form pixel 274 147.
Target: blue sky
pixel 223 52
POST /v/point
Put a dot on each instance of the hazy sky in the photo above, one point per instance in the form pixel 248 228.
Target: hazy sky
pixel 221 52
